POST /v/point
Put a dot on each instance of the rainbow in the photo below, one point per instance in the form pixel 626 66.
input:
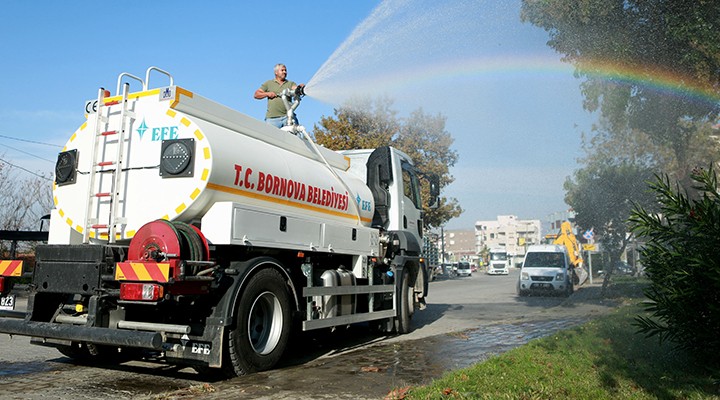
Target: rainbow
pixel 394 80
pixel 658 79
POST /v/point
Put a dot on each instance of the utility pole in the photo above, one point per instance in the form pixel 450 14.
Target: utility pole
pixel 442 243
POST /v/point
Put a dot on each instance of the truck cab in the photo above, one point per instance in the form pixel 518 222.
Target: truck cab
pixel 499 262
pixel 393 181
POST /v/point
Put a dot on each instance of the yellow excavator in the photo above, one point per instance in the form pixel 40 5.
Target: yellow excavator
pixel 567 238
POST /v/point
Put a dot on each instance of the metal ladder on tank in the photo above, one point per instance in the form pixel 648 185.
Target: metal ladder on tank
pixel 102 118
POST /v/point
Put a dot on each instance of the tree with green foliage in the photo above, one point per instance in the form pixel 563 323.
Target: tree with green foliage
pixel 602 198
pixel 651 69
pixel 617 168
pixel 681 258
pixel 359 124
pixel 651 66
pixel 366 123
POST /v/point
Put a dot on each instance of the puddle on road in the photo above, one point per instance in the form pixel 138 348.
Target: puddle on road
pixel 19 368
pixel 377 369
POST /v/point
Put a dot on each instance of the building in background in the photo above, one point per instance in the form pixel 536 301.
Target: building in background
pixel 460 246
pixel 554 221
pixel 514 234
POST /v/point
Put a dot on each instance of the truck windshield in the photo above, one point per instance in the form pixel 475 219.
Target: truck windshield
pixel 498 256
pixel 544 260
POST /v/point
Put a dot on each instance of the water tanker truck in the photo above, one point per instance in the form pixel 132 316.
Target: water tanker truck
pixel 188 231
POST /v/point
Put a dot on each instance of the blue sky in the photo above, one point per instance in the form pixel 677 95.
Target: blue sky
pixel 515 111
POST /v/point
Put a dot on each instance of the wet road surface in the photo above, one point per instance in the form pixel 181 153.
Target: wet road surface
pixel 467 320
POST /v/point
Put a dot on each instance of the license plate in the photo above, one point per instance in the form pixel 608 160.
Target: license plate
pixel 543 285
pixel 7 302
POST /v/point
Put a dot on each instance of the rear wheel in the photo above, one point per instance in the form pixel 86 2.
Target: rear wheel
pixel 263 324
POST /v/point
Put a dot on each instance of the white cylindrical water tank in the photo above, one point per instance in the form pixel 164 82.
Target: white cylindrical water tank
pixel 182 153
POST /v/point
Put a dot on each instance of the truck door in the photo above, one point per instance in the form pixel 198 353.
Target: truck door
pixel 411 203
pixel 397 201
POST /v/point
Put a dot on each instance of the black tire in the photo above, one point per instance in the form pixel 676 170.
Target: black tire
pixel 520 292
pixel 262 327
pixel 406 304
pixel 569 288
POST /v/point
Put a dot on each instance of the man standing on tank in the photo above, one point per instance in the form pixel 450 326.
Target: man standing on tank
pixel 276 113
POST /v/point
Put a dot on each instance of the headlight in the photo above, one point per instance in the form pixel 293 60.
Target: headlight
pixel 560 277
pixel 524 276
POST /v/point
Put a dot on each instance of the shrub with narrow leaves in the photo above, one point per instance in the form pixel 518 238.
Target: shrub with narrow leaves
pixel 682 259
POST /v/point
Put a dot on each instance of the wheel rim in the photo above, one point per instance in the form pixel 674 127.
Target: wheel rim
pixel 265 323
pixel 411 300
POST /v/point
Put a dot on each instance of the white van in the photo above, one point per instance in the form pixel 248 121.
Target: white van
pixel 464 269
pixel 546 269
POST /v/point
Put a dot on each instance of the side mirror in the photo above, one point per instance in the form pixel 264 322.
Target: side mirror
pixel 434 200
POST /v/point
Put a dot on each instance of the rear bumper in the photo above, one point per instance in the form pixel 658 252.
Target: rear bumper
pixel 107 336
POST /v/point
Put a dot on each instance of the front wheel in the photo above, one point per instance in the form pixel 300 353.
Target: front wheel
pixel 406 303
pixel 569 288
pixel 263 323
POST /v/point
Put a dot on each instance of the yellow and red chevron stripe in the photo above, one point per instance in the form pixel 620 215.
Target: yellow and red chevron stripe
pixel 142 271
pixel 11 267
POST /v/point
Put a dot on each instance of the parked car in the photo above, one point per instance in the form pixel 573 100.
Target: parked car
pixel 464 269
pixel 448 269
pixel 546 269
pixel 621 268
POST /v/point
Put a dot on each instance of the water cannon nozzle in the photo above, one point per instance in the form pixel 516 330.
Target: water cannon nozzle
pixel 300 91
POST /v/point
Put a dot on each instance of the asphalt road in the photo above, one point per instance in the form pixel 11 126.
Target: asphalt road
pixel 467 319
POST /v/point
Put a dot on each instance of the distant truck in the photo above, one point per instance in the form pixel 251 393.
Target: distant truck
pixel 499 262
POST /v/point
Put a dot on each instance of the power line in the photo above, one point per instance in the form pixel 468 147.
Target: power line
pixel 26 170
pixel 30 154
pixel 30 141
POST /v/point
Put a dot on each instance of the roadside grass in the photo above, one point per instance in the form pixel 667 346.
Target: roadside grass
pixel 601 359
